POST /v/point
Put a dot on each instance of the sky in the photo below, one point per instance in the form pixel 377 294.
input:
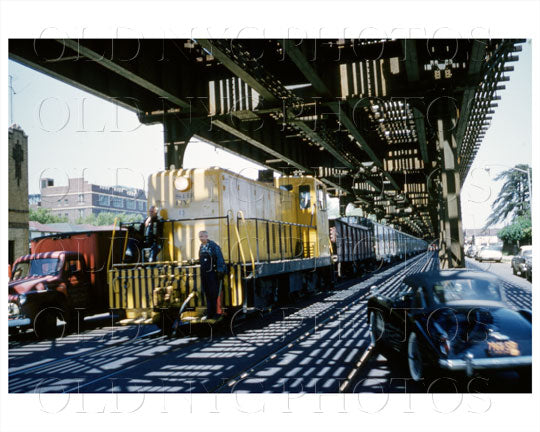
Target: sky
pixel 508 142
pixel 75 134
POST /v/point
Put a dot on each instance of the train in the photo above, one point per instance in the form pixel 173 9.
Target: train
pixel 361 244
pixel 277 240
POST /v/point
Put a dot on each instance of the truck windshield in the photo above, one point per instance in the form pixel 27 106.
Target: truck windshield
pixel 36 267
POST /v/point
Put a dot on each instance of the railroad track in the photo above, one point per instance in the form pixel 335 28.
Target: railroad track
pixel 391 283
pixel 345 299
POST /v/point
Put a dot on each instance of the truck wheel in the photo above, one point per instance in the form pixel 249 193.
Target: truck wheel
pixel 45 324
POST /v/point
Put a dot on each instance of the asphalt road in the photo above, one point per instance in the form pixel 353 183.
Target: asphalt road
pixel 503 270
pixel 318 345
pixel 308 347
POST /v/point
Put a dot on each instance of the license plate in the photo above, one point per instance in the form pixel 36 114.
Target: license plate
pixel 503 348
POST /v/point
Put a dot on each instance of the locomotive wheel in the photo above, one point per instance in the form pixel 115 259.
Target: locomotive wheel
pixel 165 320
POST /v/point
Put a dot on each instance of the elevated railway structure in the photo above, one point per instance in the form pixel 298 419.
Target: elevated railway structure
pixel 392 126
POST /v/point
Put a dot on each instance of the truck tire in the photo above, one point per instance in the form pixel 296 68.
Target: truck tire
pixel 45 324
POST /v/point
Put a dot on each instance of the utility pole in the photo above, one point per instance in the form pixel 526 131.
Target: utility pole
pixel 11 93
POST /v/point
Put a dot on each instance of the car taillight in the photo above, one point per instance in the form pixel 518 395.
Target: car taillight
pixel 445 345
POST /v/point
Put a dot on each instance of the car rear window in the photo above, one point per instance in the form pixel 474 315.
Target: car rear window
pixel 465 289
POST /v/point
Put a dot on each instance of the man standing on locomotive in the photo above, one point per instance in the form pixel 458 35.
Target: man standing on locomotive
pixel 153 232
pixel 212 270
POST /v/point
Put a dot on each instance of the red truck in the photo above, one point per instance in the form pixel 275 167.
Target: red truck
pixel 64 277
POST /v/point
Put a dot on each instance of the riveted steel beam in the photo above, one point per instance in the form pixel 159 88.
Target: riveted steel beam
pixel 124 72
pixel 413 75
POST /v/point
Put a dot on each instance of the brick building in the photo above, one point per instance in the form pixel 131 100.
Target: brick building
pixel 80 199
pixel 17 193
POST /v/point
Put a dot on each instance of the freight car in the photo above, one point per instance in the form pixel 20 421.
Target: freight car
pixel 274 234
pixel 360 244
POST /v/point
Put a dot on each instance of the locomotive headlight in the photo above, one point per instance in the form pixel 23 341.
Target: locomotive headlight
pixel 182 183
pixel 22 299
pixel 13 309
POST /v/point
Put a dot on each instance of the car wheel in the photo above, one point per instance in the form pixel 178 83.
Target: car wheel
pixel 514 271
pixel 376 326
pixel 414 358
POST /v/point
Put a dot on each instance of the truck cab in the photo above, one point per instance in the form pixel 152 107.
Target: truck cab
pixel 44 287
pixel 64 278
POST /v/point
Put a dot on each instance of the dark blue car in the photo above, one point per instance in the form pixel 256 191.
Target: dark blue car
pixel 452 320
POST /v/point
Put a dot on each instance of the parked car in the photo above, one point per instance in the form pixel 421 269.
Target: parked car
pixel 478 250
pixel 518 261
pixel 527 268
pixel 451 320
pixel 471 251
pixel 490 253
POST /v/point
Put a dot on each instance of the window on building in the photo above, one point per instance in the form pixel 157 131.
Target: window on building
pixel 81 198
pixel 118 202
pixel 130 204
pixel 66 201
pixel 104 200
pixel 81 213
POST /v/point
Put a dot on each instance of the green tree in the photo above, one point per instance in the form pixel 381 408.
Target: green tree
pixel 107 218
pixel 513 199
pixel 519 232
pixel 45 216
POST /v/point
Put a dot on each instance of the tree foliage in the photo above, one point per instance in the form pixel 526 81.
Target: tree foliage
pixel 513 199
pixel 520 231
pixel 45 216
pixel 107 218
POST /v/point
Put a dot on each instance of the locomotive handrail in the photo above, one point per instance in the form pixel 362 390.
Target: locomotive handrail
pixel 241 213
pixel 125 244
pixel 240 249
pixel 171 237
pixel 280 222
pixel 109 258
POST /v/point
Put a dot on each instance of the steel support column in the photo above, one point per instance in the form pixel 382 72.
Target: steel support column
pixel 176 136
pixel 451 232
pixel 344 201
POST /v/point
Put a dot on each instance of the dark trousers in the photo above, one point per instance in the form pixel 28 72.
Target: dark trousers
pixel 150 253
pixel 210 286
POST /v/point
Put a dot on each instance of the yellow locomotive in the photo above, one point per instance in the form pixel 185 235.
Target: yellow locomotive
pixel 273 233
